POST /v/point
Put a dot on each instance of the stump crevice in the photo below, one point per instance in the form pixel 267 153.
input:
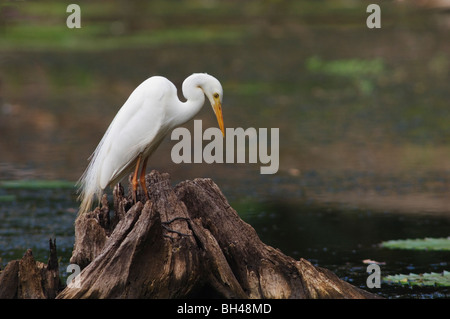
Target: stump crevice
pixel 187 241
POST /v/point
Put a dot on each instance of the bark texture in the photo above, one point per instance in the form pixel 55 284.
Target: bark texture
pixel 30 279
pixel 187 242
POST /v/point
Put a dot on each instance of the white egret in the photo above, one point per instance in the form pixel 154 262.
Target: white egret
pixel 151 111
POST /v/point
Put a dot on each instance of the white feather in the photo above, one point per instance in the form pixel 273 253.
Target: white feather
pixel 140 125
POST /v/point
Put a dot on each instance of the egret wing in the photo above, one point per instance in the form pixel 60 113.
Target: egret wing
pixel 136 128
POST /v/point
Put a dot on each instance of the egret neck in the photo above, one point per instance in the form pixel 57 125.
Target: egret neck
pixel 194 89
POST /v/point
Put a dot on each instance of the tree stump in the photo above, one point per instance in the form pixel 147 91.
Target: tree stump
pixel 30 279
pixel 187 242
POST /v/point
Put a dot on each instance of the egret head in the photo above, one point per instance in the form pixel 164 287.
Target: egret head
pixel 214 92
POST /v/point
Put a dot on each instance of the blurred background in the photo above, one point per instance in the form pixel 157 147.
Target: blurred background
pixel 363 116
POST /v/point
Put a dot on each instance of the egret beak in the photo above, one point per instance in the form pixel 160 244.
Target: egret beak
pixel 217 107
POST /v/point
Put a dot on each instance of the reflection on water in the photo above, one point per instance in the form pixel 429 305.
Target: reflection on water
pixel 328 236
pixel 363 117
pixel 30 217
pixel 341 239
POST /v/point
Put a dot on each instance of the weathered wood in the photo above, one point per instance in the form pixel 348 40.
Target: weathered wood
pixel 262 271
pixel 187 242
pixel 91 231
pixel 30 279
pixel 9 280
pixel 52 284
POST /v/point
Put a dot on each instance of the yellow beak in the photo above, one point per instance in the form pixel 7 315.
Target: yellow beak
pixel 217 107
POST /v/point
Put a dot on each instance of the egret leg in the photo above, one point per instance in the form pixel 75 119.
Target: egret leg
pixel 142 178
pixel 134 180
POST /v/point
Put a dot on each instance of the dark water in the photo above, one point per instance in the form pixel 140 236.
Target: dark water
pixel 363 118
pixel 331 237
pixel 32 218
pixel 341 240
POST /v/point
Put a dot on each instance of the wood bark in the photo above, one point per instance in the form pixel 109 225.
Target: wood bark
pixel 187 242
pixel 30 279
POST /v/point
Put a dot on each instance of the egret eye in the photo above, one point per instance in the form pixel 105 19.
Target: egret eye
pixel 216 95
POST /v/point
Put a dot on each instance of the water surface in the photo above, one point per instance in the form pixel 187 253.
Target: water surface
pixel 363 118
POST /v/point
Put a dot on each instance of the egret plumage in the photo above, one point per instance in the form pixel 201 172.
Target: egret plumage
pixel 151 111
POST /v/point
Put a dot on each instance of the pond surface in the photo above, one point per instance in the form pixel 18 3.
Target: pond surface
pixel 363 116
pixel 332 237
